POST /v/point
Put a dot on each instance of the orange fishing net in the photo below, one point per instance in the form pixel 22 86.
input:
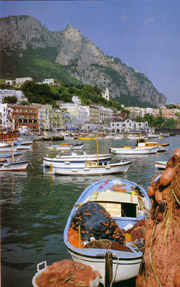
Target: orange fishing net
pixel 160 266
pixel 67 273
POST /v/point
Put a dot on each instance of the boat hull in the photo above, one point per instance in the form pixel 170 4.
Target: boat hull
pixel 16 166
pixel 8 157
pixel 74 160
pixel 94 170
pixel 123 268
pixel 134 151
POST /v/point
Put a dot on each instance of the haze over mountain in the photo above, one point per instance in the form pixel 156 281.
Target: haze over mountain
pixel 29 49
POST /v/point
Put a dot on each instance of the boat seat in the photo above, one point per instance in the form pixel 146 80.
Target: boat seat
pixel 111 196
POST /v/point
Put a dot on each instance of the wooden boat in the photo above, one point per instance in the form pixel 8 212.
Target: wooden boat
pixel 8 133
pixel 93 168
pixel 160 164
pixel 65 146
pixel 130 150
pixel 126 208
pixel 74 159
pixel 14 166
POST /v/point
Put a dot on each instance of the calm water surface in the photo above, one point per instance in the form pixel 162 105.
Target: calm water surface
pixel 35 207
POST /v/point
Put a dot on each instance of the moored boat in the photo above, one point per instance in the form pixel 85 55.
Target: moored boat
pixel 6 147
pixel 7 157
pixel 93 168
pixel 14 166
pixel 75 159
pixel 142 142
pixel 129 150
pixel 99 221
pixel 65 146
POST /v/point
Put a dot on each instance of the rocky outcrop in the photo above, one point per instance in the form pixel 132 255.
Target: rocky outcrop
pixel 83 60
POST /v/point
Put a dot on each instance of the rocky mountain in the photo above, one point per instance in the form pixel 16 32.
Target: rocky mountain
pixel 31 47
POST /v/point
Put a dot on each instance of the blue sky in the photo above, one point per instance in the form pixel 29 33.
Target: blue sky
pixel 144 34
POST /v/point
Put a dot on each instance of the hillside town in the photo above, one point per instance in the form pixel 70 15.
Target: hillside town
pixel 73 115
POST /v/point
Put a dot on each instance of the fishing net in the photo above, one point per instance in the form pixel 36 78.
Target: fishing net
pixel 107 244
pixel 95 221
pixel 160 266
pixel 67 273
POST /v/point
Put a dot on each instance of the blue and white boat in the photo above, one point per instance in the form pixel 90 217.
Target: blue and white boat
pixel 7 157
pixel 74 159
pixel 127 203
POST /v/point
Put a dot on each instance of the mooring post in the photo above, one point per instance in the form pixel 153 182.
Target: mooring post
pixel 108 269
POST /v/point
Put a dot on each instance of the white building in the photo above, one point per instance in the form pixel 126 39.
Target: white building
pixel 9 82
pixel 106 94
pixel 79 115
pixel 105 114
pixel 43 115
pixel 5 116
pixel 76 100
pixel 48 81
pixel 20 81
pixel 129 126
pixel 10 93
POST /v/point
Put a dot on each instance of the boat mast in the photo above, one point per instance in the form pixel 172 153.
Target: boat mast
pixel 97 151
pixel 12 156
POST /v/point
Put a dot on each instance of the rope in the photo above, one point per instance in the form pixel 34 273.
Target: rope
pixel 150 258
pixel 175 196
pixel 114 254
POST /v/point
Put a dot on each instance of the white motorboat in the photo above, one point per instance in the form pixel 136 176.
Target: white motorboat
pixel 142 142
pixel 91 223
pixel 129 150
pixel 14 166
pixel 74 159
pixel 93 168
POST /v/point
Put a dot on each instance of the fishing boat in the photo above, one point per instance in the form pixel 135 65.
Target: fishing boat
pixel 14 166
pixel 74 159
pixel 160 164
pixel 8 134
pixel 130 150
pixel 142 142
pixel 65 146
pixel 90 168
pixel 23 144
pixel 126 203
pixel 6 146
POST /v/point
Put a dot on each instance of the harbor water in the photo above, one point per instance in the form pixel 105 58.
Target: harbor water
pixel 35 207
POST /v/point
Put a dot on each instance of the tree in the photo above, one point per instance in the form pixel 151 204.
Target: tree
pixel 10 100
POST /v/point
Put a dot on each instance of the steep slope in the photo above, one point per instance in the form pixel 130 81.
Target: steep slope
pixel 25 40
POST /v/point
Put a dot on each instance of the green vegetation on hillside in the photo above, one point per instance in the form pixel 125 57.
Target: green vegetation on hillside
pixel 37 64
pixel 158 122
pixel 44 94
pixel 133 101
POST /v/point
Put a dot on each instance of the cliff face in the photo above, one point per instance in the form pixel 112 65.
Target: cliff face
pixel 81 58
